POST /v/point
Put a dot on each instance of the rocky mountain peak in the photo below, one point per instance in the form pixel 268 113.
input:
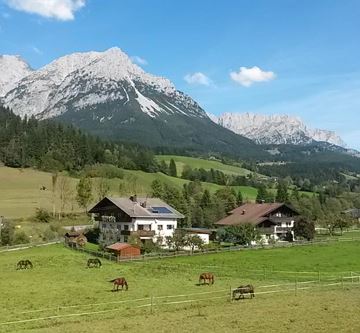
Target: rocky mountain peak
pixel 12 68
pixel 275 129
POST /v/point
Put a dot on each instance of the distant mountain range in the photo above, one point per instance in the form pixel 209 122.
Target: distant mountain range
pixel 108 95
pixel 275 129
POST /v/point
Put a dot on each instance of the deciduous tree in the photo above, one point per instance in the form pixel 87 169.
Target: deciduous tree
pixel 84 192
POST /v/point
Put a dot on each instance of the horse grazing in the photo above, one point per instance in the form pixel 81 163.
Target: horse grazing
pixel 119 282
pixel 240 292
pixel 209 277
pixel 94 263
pixel 24 264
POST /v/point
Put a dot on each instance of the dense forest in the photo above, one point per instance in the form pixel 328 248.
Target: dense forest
pixel 51 146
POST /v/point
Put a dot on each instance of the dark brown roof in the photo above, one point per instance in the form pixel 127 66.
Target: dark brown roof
pixel 250 213
pixel 119 246
pixel 135 209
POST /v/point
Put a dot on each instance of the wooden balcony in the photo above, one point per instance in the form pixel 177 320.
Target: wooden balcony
pixel 283 229
pixel 282 219
pixel 143 233
pixel 267 231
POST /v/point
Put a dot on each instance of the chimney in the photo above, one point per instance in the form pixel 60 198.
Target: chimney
pixel 133 198
pixel 243 212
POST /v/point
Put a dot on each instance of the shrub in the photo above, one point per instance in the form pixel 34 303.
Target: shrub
pixel 42 215
pixel 211 246
pixel 104 171
pixel 92 235
pixel 20 237
pixel 49 234
pixel 149 247
pixel 7 233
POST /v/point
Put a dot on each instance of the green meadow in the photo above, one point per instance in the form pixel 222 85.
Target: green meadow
pixel 20 192
pixel 203 163
pixel 79 299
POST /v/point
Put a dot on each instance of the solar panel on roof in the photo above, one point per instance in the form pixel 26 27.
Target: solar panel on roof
pixel 161 210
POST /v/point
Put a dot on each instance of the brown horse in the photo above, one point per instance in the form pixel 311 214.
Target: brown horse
pixel 24 264
pixel 119 282
pixel 240 292
pixel 94 263
pixel 209 277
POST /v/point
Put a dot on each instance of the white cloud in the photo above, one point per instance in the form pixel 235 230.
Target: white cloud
pixel 37 50
pixel 198 78
pixel 62 10
pixel 139 60
pixel 247 76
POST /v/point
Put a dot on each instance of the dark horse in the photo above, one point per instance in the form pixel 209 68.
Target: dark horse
pixel 119 282
pixel 24 264
pixel 94 263
pixel 209 277
pixel 240 292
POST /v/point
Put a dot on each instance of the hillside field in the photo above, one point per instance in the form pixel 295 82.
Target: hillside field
pixel 61 285
pixel 20 192
pixel 193 162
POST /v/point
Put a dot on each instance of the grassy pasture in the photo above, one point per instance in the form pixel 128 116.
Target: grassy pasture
pixel 61 279
pixel 193 162
pixel 20 191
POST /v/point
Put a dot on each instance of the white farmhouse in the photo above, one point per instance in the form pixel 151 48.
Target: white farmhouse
pixel 272 220
pixel 149 218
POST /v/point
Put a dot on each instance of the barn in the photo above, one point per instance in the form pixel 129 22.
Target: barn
pixel 75 239
pixel 124 250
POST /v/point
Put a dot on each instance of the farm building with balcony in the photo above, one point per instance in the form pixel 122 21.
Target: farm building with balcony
pixel 272 220
pixel 148 218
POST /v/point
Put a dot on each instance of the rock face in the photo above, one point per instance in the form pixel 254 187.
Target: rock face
pixel 275 129
pixel 12 70
pixel 82 80
pixel 110 96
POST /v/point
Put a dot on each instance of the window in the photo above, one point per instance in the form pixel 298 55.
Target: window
pixel 160 227
pixel 125 239
pixel 126 227
pixel 146 227
pixel 169 227
pixel 119 226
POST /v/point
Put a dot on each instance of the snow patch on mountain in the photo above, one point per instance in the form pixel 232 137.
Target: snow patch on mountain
pixel 275 129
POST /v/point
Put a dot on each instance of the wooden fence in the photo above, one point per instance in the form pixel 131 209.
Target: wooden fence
pixel 172 254
pixel 154 302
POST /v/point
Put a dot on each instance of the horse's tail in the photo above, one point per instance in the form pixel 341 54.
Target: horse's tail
pixel 126 285
pixel 212 279
pixel 113 280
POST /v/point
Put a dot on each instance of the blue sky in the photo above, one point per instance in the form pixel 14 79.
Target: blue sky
pixel 296 57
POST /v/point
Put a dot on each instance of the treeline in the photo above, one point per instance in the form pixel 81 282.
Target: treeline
pixel 317 173
pixel 209 176
pixel 200 207
pixel 51 146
